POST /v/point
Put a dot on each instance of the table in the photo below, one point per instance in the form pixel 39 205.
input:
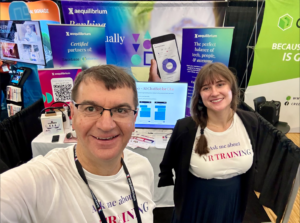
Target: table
pixel 163 196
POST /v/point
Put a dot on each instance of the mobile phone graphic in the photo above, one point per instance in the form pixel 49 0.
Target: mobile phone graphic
pixel 166 54
pixel 61 88
pixel 55 138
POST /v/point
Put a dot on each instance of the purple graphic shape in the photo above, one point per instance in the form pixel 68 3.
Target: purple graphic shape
pixel 136 46
pixel 169 70
pixel 135 36
pixel 147 44
pixel 145 57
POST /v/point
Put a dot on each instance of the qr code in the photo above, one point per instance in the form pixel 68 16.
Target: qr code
pixel 62 92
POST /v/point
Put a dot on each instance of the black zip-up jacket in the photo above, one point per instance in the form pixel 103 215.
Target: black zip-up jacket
pixel 178 154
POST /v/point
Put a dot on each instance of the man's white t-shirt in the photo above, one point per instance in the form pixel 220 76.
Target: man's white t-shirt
pixel 50 190
pixel 230 153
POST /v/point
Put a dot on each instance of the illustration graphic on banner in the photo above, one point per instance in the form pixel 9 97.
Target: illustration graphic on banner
pixel 57 84
pixel 77 46
pixel 201 46
pixel 131 25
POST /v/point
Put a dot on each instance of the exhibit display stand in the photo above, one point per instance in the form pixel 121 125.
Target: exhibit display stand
pixel 15 98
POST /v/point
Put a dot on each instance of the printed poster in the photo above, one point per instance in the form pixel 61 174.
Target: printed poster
pixel 201 46
pixel 56 84
pixel 77 46
pixel 276 65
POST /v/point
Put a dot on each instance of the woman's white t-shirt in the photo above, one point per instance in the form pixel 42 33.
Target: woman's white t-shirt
pixel 230 153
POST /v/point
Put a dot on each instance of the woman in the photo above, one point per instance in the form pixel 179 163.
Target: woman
pixel 213 152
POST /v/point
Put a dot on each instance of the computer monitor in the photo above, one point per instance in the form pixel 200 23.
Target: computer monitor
pixel 160 104
pixel 21 41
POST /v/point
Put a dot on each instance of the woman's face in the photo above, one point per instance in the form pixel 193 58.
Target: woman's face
pixel 216 95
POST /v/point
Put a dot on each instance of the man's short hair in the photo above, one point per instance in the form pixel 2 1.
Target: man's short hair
pixel 112 76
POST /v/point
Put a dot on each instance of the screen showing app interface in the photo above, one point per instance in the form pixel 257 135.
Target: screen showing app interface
pixel 21 41
pixel 160 104
pixel 168 61
pixel 17 76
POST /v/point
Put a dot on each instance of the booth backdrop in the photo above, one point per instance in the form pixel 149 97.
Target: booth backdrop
pixel 131 25
pixel 276 66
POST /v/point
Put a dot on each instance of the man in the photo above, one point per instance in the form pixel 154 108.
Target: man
pixel 87 182
pixel 30 35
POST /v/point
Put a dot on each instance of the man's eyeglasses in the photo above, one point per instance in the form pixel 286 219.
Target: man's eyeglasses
pixel 119 114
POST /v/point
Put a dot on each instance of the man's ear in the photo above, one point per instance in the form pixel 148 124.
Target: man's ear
pixel 72 109
pixel 135 116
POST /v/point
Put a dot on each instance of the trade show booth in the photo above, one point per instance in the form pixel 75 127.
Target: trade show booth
pixel 49 43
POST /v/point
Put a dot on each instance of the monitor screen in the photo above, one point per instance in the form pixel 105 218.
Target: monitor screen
pixel 21 41
pixel 16 77
pixel 160 104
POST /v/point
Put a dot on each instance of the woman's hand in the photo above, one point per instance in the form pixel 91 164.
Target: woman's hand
pixel 153 76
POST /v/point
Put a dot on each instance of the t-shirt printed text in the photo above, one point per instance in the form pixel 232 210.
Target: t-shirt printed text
pixel 221 156
pixel 125 216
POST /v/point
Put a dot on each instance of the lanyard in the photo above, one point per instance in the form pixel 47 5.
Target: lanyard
pixel 98 206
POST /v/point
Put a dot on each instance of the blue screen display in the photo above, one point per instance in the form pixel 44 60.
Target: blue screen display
pixel 160 104
pixel 17 76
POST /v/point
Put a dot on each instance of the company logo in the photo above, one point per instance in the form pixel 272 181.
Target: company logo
pixel 42 11
pixel 293 101
pixel 285 22
pixel 205 36
pixel 88 58
pixel 287 100
pixel 86 11
pixel 78 34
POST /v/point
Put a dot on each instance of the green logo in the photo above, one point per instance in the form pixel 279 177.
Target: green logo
pixel 288 98
pixel 285 22
pixel 83 58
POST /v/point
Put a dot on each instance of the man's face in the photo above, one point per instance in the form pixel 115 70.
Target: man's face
pixel 102 138
pixel 28 29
